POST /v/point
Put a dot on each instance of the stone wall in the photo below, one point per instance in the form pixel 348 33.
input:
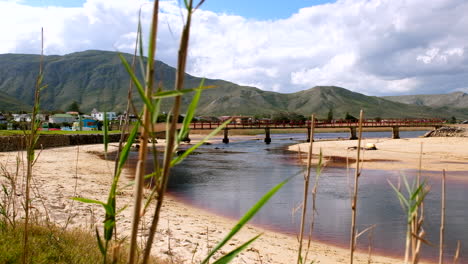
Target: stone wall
pixel 15 143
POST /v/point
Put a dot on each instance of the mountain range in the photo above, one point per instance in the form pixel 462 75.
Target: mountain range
pixel 97 79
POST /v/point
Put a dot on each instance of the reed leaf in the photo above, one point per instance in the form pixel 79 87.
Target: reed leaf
pixel 86 200
pixel 156 107
pixel 137 83
pixel 190 113
pixel 100 244
pixel 251 213
pixel 126 148
pixel 106 133
pixel 231 255
pixel 180 158
pixel 174 93
pixel 140 47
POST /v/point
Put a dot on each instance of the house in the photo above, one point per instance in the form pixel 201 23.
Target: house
pixel 61 118
pixel 131 118
pixel 3 119
pixel 87 124
pixel 100 115
pixel 237 119
pixel 22 117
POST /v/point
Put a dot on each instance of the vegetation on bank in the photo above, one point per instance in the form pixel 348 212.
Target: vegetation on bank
pixel 55 132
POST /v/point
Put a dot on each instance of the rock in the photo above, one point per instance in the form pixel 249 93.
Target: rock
pixel 370 146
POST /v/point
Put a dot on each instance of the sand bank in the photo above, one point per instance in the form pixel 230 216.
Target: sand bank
pixel 438 153
pixel 185 232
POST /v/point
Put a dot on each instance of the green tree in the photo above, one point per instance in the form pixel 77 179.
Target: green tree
pixel 453 120
pixel 74 107
pixel 350 117
pixel 330 115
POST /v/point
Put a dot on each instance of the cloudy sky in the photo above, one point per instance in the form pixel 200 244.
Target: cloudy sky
pixel 376 47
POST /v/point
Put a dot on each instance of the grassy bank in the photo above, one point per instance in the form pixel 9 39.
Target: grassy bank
pixel 51 244
pixel 54 132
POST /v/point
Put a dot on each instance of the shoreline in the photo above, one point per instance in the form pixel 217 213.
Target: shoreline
pixel 184 232
pixel 438 153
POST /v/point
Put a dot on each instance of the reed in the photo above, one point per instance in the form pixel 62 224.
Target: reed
pixel 31 139
pixel 411 203
pixel 306 191
pixel 357 173
pixel 442 220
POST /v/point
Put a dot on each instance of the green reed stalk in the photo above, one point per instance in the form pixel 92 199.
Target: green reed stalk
pixel 30 145
pixel 306 190
pixel 411 204
pixel 146 120
pixel 357 173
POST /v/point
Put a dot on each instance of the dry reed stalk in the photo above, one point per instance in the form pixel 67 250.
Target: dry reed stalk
pixel 355 194
pixel 414 240
pixel 442 221
pixel 172 134
pixel 306 191
pixel 418 218
pixel 146 120
pixel 124 127
pixel 31 141
pixel 457 253
pixel 369 251
pixel 314 192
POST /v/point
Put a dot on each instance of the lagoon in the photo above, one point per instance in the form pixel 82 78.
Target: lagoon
pixel 229 178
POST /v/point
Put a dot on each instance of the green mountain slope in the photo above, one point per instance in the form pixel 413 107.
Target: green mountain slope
pixel 97 79
pixel 322 98
pixel 9 103
pixel 454 100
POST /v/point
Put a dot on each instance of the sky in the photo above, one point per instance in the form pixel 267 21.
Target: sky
pixel 375 47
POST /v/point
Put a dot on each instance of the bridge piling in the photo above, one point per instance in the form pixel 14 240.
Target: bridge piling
pixel 226 138
pixel 267 135
pixel 308 134
pixel 352 133
pixel 395 132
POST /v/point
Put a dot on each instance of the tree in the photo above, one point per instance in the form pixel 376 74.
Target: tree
pixel 330 115
pixel 350 117
pixel 74 107
pixel 453 120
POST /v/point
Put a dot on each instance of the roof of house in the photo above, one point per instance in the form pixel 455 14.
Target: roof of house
pixel 63 115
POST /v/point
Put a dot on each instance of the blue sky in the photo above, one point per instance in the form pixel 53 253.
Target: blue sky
pixel 260 9
pixel 254 9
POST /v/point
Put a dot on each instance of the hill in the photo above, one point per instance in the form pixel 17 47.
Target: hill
pixel 454 100
pixel 97 79
pixel 9 103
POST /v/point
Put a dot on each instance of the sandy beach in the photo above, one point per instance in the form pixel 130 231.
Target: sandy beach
pixel 438 153
pixel 185 233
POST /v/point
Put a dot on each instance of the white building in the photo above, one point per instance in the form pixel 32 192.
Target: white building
pixel 100 115
pixel 61 118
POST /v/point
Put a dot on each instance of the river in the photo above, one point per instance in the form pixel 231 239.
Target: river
pixel 228 179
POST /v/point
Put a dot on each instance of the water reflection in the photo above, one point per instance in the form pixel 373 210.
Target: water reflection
pixel 228 179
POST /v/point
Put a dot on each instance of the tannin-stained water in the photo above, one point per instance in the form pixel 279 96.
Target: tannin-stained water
pixel 229 178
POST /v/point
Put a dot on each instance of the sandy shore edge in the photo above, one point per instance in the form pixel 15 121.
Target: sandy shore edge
pixel 438 153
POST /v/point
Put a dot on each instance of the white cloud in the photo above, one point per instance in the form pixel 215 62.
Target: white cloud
pixel 375 47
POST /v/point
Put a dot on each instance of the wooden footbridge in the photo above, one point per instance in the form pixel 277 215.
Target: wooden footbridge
pixel 394 124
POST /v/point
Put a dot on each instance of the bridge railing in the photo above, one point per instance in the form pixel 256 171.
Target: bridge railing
pixel 321 124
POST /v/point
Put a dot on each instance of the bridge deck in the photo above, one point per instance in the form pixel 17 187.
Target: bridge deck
pixel 320 124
